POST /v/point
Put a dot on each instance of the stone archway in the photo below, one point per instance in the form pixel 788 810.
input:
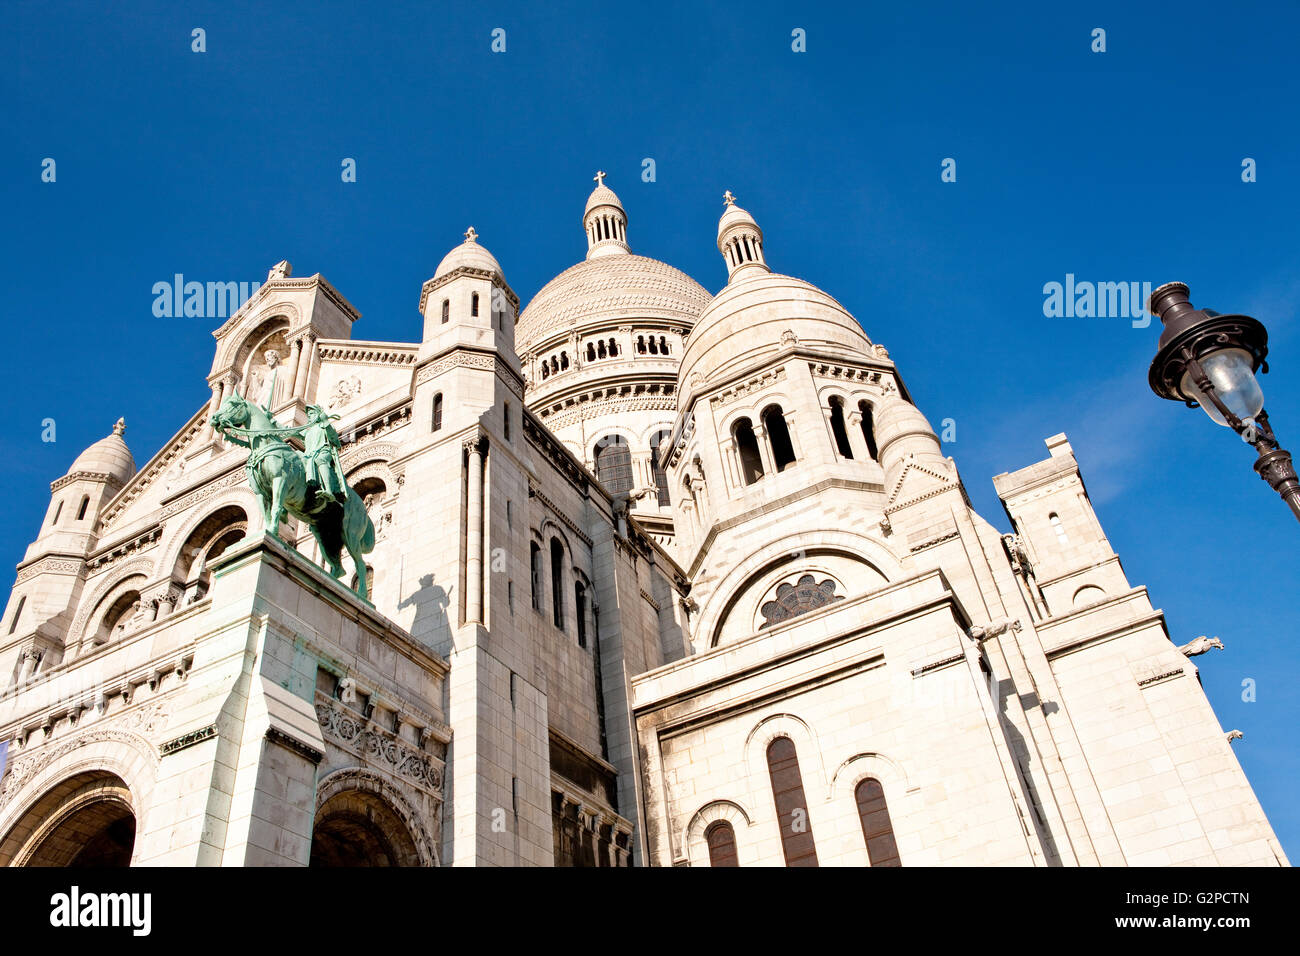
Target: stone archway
pixel 86 820
pixel 360 828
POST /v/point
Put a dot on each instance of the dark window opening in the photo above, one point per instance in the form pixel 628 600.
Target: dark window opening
pixel 557 583
pixel 85 502
pixel 838 430
pixel 535 573
pixel 791 806
pixel 580 608
pixel 721 839
pixel 614 464
pixel 868 429
pixel 657 465
pixel 473 304
pixel 446 310
pixel 778 434
pixel 437 412
pixel 882 849
pixel 751 461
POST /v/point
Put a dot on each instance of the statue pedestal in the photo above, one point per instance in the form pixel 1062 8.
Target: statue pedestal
pixel 300 696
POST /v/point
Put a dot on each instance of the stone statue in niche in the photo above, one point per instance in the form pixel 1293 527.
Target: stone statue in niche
pixel 267 377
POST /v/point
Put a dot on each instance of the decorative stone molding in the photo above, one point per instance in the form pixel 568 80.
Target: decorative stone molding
pixel 185 741
pixel 230 479
pixel 49 565
pixel 366 353
pixel 744 389
pixel 112 555
pixel 292 743
pixel 133 728
pixel 357 735
pixel 559 515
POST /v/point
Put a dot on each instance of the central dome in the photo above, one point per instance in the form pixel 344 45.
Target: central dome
pixel 611 287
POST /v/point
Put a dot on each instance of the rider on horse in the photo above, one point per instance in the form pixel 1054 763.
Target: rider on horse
pixel 321 456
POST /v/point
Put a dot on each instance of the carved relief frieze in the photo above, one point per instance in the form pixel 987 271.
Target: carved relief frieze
pixel 743 389
pixel 380 748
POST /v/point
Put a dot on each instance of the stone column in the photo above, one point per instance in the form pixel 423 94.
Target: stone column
pixel 218 396
pixel 295 368
pixel 853 425
pixel 764 451
pixel 474 532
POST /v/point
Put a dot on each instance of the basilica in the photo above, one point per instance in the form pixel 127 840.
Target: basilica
pixel 658 577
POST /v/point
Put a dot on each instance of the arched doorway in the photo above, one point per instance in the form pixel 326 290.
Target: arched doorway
pixel 357 828
pixel 85 821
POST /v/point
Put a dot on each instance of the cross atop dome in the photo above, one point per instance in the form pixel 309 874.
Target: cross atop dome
pixel 471 235
pixel 599 178
pixel 120 427
pixel 728 199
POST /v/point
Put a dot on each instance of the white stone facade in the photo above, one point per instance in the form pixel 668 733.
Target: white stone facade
pixel 660 578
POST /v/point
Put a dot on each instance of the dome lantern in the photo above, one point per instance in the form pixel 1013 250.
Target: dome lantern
pixel 605 222
pixel 741 242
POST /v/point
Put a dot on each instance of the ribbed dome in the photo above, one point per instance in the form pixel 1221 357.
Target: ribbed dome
pixel 621 286
pixel 469 254
pixel 108 456
pixel 602 195
pixel 749 321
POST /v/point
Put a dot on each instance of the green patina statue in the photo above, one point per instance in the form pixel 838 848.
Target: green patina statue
pixel 310 486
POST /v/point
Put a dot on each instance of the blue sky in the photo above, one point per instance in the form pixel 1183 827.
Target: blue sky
pixel 1119 166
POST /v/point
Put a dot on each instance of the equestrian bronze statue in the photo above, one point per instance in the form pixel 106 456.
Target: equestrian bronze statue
pixel 310 486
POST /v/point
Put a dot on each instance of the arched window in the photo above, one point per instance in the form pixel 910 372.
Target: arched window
pixel 506 419
pixel 437 412
pixel 663 345
pixel 555 365
pixel 838 430
pixel 722 844
pixel 778 436
pixel 446 310
pixel 791 807
pixel 882 850
pixel 1053 518
pixel 564 360
pixel 654 346
pixel 591 352
pixel 81 512
pixel 18 612
pixel 614 464
pixel 557 583
pixel 580 609
pixel 640 344
pixel 535 573
pixel 751 462
pixel 57 511
pixel 600 348
pixel 473 304
pixel 868 429
pixel 657 465
pixel 613 348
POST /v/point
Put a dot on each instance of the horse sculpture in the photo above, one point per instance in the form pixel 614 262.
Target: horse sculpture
pixel 277 473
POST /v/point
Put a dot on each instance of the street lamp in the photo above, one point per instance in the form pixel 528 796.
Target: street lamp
pixel 1207 359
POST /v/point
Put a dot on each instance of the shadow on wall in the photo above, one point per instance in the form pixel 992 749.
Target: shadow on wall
pixel 430 625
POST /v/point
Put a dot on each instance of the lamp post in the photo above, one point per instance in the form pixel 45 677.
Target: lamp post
pixel 1207 359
